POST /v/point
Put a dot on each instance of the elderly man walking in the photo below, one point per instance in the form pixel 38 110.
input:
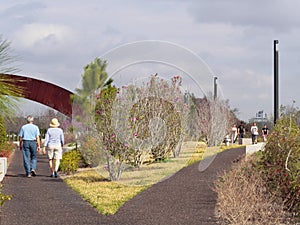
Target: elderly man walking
pixel 29 139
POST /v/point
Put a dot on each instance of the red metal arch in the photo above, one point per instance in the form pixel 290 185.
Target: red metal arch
pixel 43 92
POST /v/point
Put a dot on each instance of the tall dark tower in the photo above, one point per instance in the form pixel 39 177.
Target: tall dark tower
pixel 276 89
pixel 215 88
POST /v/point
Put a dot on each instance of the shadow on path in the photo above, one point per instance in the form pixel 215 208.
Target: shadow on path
pixel 185 198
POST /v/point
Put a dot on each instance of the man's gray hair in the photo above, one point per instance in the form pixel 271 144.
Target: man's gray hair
pixel 29 119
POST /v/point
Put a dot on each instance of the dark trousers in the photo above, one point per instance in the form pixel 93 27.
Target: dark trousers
pixel 29 155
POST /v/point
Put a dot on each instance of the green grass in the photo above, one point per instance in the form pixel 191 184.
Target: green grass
pixel 107 197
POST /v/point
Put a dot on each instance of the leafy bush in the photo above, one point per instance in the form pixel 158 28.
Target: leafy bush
pixel 91 151
pixel 6 149
pixel 281 162
pixel 69 137
pixel 2 130
pixel 70 161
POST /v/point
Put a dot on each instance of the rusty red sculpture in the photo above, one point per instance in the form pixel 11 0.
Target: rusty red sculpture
pixel 43 92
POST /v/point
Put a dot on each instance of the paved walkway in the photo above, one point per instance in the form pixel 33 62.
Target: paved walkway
pixel 185 198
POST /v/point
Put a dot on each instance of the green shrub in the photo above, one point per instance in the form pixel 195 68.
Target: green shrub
pixel 70 161
pixel 3 197
pixel 6 148
pixel 91 151
pixel 3 133
pixel 281 162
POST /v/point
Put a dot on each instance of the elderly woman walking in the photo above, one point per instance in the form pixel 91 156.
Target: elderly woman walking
pixel 54 141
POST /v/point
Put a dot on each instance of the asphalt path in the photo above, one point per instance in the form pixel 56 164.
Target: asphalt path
pixel 187 197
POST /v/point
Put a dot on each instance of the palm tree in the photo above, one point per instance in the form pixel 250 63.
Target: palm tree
pixel 93 78
pixel 8 103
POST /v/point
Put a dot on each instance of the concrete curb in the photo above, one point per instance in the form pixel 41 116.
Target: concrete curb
pixel 250 149
pixel 3 167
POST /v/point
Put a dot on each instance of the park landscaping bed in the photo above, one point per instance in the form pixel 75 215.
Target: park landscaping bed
pixel 107 196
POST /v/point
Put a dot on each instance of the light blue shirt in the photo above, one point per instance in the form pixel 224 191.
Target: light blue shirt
pixel 29 132
pixel 54 136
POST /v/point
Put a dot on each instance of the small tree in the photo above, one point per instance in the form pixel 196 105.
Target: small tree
pixel 214 119
pixel 220 121
pixel 116 152
pixel 139 121
pixel 151 118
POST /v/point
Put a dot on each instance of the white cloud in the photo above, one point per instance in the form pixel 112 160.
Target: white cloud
pixel 235 38
pixel 44 38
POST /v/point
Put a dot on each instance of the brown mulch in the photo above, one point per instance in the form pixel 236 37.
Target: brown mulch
pixel 187 197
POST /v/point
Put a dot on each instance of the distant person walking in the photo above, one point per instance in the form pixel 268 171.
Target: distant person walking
pixel 234 132
pixel 29 140
pixel 265 132
pixel 254 133
pixel 54 141
pixel 241 130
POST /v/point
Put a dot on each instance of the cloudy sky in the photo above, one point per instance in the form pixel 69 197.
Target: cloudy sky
pixel 54 40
